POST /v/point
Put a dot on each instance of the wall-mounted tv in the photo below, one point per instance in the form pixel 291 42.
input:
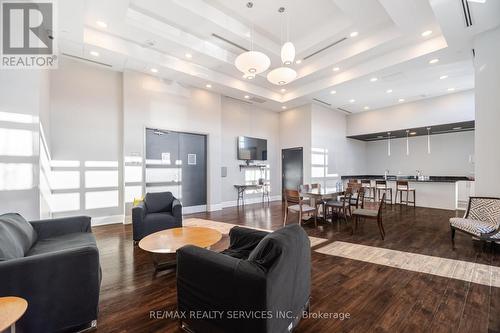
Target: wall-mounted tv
pixel 252 149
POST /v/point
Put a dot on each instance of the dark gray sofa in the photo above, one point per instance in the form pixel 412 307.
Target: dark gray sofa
pixel 266 275
pixel 54 265
pixel 159 211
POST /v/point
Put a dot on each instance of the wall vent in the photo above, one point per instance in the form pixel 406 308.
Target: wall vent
pixel 344 110
pixel 324 48
pixel 237 99
pixel 85 59
pixel 467 15
pixel 257 100
pixel 322 102
pixel 225 40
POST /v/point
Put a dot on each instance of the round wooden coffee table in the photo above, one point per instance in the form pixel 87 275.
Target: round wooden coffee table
pixel 11 309
pixel 167 242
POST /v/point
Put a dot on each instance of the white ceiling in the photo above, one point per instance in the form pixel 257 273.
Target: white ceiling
pixel 145 34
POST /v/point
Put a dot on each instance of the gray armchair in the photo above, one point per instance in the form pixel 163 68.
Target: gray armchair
pixel 54 265
pixel 158 211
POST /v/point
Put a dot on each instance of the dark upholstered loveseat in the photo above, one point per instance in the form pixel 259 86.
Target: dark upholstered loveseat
pixel 262 283
pixel 54 265
pixel 158 211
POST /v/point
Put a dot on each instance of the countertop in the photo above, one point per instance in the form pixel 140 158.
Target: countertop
pixel 430 179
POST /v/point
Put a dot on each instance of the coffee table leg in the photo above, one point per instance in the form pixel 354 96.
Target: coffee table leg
pixel 161 265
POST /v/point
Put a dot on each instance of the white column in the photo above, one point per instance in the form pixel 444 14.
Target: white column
pixel 487 103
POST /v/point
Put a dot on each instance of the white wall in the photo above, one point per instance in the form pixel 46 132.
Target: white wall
pixel 295 131
pixel 86 126
pixel 156 103
pixel 450 155
pixel 343 156
pixel 242 119
pixel 23 96
pixel 487 88
pixel 445 109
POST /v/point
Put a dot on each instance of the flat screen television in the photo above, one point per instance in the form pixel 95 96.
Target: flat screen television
pixel 252 149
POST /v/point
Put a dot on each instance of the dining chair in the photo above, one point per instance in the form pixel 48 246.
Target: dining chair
pixel 295 203
pixel 373 214
pixel 404 186
pixel 381 186
pixel 369 189
pixel 342 206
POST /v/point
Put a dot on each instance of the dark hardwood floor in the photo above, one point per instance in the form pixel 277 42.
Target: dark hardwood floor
pixel 378 298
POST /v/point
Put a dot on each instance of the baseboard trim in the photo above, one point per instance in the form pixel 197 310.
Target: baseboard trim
pixel 104 220
pixel 249 201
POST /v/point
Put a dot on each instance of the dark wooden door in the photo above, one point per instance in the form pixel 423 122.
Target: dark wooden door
pixel 292 168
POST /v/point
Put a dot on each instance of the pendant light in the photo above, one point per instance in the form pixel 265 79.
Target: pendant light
pixel 284 75
pixel 288 49
pixel 252 62
pixel 428 140
pixel 389 144
pixel 407 142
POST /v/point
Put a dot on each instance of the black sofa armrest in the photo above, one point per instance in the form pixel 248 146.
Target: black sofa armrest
pixel 62 288
pixel 61 226
pixel 242 241
pixel 177 211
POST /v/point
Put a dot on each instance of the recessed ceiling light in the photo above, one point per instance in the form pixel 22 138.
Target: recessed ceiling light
pixel 248 77
pixel 208 85
pixel 154 70
pixel 413 133
pixel 298 62
pixel 442 77
pixel 477 1
pixel 451 89
pixel 247 97
pixel 336 69
pixel 354 34
pixel 333 92
pixel 366 108
pixel 283 90
pixel 94 53
pixel 426 33
pixel 189 55
pixel 283 107
pixel 102 24
pixel 352 100
pixel 388 91
pixel 457 128
pixel 373 79
pixel 434 61
pixel 401 100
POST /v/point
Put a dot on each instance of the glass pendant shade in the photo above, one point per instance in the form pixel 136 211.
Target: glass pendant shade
pixel 281 76
pixel 252 63
pixel 288 53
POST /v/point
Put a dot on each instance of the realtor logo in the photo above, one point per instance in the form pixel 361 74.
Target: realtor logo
pixel 28 35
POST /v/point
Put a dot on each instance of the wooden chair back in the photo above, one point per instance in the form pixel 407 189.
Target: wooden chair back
pixel 381 183
pixel 292 197
pixel 366 183
pixel 402 185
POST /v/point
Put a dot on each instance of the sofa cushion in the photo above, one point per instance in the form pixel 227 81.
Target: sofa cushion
pixel 17 236
pixel 64 242
pixel 159 202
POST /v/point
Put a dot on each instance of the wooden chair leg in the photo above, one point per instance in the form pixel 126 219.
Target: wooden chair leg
pixel 286 215
pixel 300 218
pixel 379 222
pixel 452 234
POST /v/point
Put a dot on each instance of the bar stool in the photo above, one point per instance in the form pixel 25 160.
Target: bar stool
pixel 381 186
pixel 369 189
pixel 404 186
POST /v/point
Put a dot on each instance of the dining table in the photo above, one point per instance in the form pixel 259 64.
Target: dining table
pixel 321 195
